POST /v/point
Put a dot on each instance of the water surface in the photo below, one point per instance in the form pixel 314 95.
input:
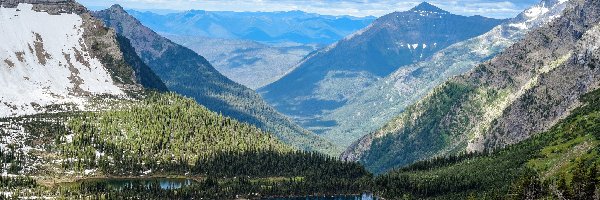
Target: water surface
pixel 340 197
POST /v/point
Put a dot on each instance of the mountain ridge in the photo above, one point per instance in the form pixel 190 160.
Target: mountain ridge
pixel 538 79
pixel 249 63
pixel 292 27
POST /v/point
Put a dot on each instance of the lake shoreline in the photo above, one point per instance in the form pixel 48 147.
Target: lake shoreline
pixel 67 181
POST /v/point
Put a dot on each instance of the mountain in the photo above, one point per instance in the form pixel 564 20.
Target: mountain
pixel 521 92
pixel 561 163
pixel 326 79
pixel 144 75
pixel 190 74
pixel 56 57
pixel 265 27
pixel 389 96
pixel 249 63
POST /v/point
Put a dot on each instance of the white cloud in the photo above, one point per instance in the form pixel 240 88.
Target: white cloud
pixel 489 8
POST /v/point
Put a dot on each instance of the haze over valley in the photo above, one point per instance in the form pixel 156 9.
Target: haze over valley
pixel 340 99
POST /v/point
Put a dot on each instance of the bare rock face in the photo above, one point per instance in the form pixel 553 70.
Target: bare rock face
pixel 53 7
pixel 104 46
pixel 556 92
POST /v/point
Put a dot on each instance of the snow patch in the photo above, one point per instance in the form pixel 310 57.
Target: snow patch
pixel 539 14
pixel 535 12
pixel 89 171
pixel 521 26
pixel 99 154
pixel 49 62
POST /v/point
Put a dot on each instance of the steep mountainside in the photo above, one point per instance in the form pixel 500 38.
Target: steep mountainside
pixel 388 97
pixel 55 56
pixel 267 27
pixel 561 163
pixel 189 74
pixel 144 75
pixel 523 91
pixel 325 80
pixel 247 62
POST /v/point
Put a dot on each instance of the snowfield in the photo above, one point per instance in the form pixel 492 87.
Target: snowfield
pixel 44 61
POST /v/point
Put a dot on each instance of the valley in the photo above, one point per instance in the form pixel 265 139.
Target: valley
pixel 329 78
pixel 420 103
pixel 245 46
pixel 249 63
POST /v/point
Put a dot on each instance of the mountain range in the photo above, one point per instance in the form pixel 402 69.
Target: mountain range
pixel 252 48
pixel 328 78
pixel 389 96
pixel 265 27
pixel 250 63
pixel 523 91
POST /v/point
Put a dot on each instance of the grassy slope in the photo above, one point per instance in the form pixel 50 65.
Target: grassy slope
pixel 552 154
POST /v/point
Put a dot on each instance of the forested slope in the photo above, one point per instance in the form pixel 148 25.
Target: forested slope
pixel 560 163
pixel 163 135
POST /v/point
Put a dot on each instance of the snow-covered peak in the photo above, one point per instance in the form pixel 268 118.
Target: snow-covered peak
pixel 44 61
pixel 542 13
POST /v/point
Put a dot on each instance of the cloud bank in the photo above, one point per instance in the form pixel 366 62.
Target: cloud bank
pixel 488 8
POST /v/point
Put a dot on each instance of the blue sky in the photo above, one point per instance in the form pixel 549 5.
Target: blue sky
pixel 488 8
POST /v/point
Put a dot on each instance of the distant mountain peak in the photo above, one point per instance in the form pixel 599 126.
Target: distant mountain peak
pixel 117 7
pixel 427 7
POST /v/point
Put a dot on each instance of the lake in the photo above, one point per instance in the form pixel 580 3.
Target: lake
pixel 163 183
pixel 177 183
pixel 341 197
